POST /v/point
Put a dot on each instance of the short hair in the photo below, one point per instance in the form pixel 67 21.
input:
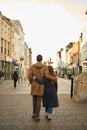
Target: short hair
pixel 39 58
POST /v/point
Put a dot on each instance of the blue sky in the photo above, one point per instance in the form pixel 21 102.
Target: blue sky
pixel 48 26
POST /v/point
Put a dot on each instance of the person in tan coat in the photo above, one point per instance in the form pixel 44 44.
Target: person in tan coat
pixel 37 90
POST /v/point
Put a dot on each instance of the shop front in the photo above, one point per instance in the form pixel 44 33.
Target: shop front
pixel 2 64
pixel 8 68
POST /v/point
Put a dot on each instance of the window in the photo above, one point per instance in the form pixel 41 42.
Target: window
pixel 1 26
pixel 5 28
pixel 5 50
pixel 8 51
pixel 1 45
pixel 8 31
pixel 8 48
pixel 5 47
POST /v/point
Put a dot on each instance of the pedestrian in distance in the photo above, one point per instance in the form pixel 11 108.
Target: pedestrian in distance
pixel 37 90
pixel 50 98
pixel 0 74
pixel 15 78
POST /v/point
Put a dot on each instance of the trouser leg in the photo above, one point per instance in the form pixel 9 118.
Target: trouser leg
pixel 38 105
pixel 46 109
pixel 50 110
pixel 15 81
pixel 14 84
pixel 34 104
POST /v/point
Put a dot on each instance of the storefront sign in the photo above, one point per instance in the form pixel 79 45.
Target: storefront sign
pixel 8 59
pixel 2 58
pixel 84 63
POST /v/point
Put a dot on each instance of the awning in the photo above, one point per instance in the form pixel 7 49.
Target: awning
pixel 15 63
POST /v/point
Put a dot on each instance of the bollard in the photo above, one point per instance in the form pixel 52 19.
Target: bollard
pixel 71 87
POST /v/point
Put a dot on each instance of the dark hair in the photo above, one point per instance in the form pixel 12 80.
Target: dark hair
pixel 51 71
pixel 15 72
pixel 39 58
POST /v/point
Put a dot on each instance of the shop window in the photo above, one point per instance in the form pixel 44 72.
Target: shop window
pixel 1 49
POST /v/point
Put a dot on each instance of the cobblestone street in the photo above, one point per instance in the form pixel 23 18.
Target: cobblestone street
pixel 16 111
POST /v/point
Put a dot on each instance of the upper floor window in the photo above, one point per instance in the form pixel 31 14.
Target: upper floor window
pixel 5 28
pixel 5 47
pixel 1 45
pixel 8 48
pixel 8 31
pixel 1 26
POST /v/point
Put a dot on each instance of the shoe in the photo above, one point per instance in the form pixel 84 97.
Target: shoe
pixel 37 118
pixel 46 116
pixel 33 116
pixel 49 118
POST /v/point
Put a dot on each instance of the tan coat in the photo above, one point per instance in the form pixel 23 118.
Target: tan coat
pixel 39 70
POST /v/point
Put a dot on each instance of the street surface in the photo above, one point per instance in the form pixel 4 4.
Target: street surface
pixel 16 109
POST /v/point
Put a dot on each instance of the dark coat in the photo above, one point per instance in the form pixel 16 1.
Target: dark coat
pixel 15 76
pixel 50 98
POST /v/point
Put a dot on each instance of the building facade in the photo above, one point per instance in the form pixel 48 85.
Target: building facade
pixel 14 53
pixel 84 47
pixel 5 46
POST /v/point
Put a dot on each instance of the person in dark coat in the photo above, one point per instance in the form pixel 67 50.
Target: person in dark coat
pixel 0 74
pixel 50 98
pixel 15 78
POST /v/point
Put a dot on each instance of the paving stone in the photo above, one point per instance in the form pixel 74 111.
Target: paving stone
pixel 16 111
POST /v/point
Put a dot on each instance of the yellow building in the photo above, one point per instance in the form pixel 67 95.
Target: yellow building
pixel 5 46
pixel 69 58
pixel 73 57
pixel 30 57
pixel 26 60
pixel 18 58
pixel 84 47
pixel 14 54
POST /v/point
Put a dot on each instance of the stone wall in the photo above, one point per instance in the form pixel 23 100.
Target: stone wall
pixel 80 88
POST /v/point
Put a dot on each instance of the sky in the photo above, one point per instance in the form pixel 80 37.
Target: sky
pixel 49 25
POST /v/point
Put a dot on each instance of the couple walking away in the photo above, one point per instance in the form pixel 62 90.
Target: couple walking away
pixel 43 88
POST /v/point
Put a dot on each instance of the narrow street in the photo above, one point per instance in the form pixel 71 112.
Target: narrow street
pixel 16 109
pixel 64 87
